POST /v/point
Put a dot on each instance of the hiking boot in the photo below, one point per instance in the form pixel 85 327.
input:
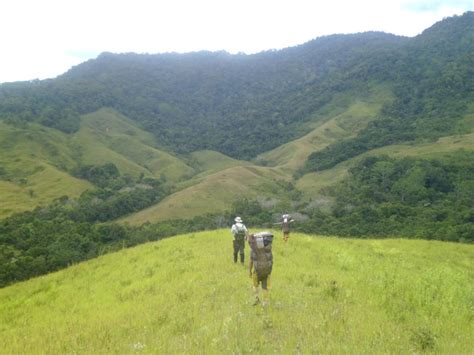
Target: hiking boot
pixel 257 301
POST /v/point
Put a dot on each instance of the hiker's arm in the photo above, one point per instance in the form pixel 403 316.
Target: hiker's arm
pixel 250 267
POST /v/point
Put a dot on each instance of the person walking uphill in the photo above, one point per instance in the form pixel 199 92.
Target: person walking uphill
pixel 240 233
pixel 261 264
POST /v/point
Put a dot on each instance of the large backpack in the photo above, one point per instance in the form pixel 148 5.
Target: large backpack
pixel 240 236
pixel 261 253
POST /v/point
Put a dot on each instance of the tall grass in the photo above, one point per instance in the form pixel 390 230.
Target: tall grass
pixel 185 295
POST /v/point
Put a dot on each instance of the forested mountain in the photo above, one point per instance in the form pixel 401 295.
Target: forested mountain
pixel 237 104
pixel 242 105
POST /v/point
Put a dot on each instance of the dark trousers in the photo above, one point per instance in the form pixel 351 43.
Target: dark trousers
pixel 239 246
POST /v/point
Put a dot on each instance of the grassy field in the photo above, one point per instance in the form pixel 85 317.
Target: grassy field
pixel 185 295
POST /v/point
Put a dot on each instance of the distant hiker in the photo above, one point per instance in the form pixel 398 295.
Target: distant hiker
pixel 285 226
pixel 261 263
pixel 240 233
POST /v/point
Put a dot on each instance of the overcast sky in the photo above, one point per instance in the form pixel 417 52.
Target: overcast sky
pixel 44 38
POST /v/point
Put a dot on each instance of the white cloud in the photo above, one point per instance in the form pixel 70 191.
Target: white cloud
pixel 42 39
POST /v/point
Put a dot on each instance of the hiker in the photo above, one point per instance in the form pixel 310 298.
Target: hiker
pixel 240 233
pixel 261 263
pixel 285 226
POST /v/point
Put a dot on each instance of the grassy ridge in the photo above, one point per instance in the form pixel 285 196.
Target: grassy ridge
pixel 212 193
pixel 209 162
pixel 184 295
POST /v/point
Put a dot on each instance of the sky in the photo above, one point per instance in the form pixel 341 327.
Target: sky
pixel 44 38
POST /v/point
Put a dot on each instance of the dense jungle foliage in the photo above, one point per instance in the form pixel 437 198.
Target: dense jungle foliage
pixel 409 197
pixel 243 105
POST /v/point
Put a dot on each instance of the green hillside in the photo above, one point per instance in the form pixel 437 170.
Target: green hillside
pixel 433 94
pixel 33 168
pixel 37 162
pixel 208 162
pixel 109 137
pixel 184 295
pixel 214 194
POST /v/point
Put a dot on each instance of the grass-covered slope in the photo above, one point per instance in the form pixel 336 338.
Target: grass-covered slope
pixel 37 162
pixel 106 136
pixel 209 161
pixel 33 164
pixel 214 193
pixel 185 295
